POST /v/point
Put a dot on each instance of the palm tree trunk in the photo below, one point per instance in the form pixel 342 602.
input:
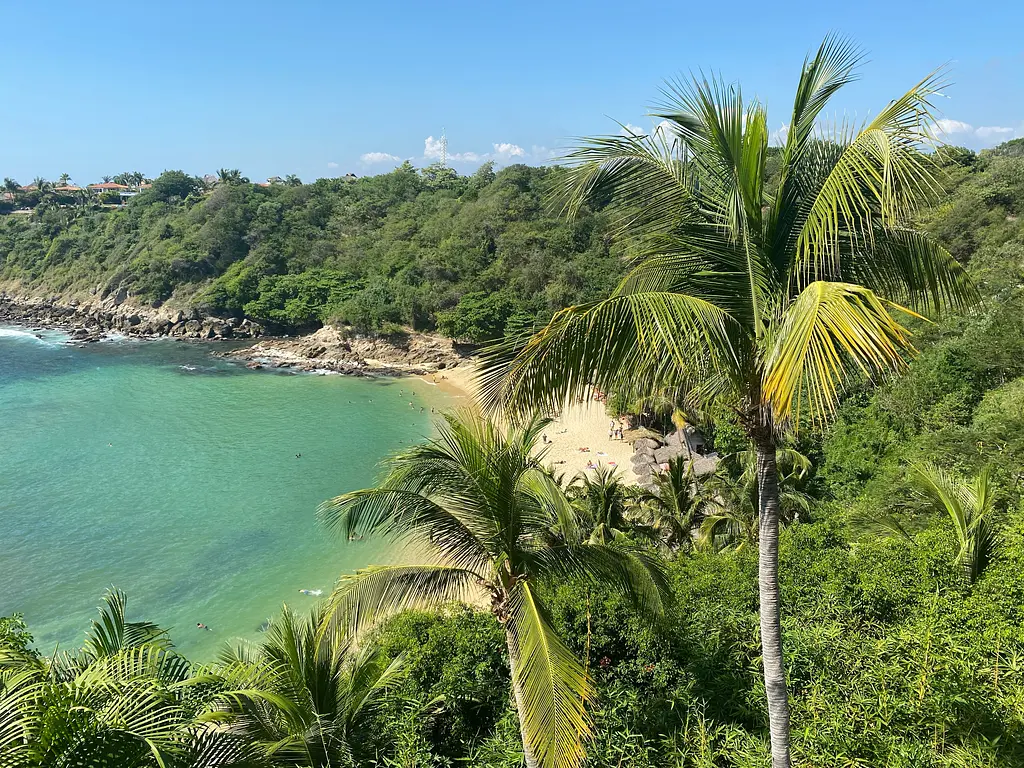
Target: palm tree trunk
pixel 768 590
pixel 528 756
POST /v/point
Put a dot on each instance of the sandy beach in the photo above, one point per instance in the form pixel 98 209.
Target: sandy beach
pixel 580 425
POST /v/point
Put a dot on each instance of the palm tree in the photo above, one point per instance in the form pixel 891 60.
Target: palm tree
pixel 231 176
pixel 969 505
pixel 109 635
pixel 120 700
pixel 106 179
pixel 733 498
pixel 675 505
pixel 762 301
pixel 601 503
pixel 64 179
pixel 41 184
pixel 292 180
pixel 477 500
pixel 304 692
pixel 12 187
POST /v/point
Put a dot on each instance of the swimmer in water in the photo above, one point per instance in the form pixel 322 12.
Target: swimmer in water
pixel 298 455
pixel 200 625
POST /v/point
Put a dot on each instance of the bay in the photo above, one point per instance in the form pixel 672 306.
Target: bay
pixel 173 474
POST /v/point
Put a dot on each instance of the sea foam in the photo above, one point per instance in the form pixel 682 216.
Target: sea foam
pixel 47 338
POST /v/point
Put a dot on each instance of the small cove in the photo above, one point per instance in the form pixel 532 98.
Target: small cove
pixel 172 474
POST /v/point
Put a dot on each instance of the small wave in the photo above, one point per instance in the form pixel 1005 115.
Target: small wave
pixel 47 338
pixel 188 367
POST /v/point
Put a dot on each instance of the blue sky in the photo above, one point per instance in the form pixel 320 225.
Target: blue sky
pixel 326 88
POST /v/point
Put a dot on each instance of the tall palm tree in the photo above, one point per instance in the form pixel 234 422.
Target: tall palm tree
pixel 64 179
pixel 760 300
pixel 41 184
pixel 476 500
pixel 302 694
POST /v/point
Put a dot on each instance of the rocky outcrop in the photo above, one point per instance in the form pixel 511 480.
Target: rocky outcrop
pixel 650 453
pixel 341 351
pixel 91 320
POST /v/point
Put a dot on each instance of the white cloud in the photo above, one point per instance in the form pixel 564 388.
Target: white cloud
pixel 993 132
pixel 332 165
pixel 665 131
pixel 632 130
pixel 502 152
pixel 431 148
pixel 509 150
pixel 946 127
pixel 379 157
pixel 959 132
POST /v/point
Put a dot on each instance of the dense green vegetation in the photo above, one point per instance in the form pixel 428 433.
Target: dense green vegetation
pixel 471 255
pixel 902 609
pixel 752 296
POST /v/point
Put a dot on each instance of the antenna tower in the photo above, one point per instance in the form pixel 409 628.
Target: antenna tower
pixel 444 149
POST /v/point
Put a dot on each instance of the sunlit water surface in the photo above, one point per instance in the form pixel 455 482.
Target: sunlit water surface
pixel 172 474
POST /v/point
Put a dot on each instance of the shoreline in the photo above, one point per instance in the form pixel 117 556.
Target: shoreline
pixel 577 440
pixel 324 351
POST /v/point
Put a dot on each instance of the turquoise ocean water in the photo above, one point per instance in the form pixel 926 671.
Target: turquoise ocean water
pixel 172 474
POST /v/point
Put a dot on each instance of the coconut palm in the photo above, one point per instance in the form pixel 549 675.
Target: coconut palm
pixel 302 694
pixel 762 301
pixel 601 502
pixel 231 176
pixel 733 498
pixel 120 701
pixel 969 504
pixel 12 187
pixel 477 502
pixel 41 184
pixel 675 505
pixel 64 179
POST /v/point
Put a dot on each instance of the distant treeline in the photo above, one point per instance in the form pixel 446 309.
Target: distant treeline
pixel 472 256
pixel 475 257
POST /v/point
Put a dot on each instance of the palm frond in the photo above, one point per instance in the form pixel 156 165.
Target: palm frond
pixel 650 182
pixel 552 687
pixel 969 507
pixel 832 67
pixel 113 632
pixel 910 268
pixel 878 178
pixel 368 595
pixel 637 574
pixel 641 335
pixel 830 331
